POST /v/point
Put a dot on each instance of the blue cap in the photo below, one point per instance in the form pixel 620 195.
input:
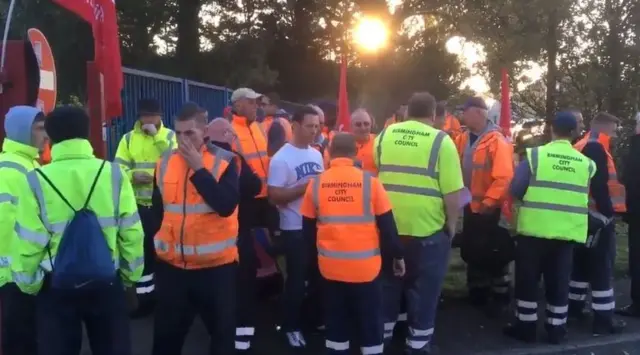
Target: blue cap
pixel 565 121
pixel 476 102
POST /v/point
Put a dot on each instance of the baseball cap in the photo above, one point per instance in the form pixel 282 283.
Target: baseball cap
pixel 244 93
pixel 149 107
pixel 476 102
pixel 565 121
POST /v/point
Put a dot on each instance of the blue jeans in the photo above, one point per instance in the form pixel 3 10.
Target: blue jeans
pixel 426 260
pixel 297 253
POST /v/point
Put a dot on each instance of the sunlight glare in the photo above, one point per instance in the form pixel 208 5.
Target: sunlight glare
pixel 370 34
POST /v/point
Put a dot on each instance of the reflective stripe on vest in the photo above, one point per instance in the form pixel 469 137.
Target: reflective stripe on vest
pixel 367 217
pixel 550 206
pixel 259 154
pixel 429 171
pixel 7 197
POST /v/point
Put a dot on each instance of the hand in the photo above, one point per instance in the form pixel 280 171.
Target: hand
pixel 150 129
pixel 190 154
pixel 399 269
pixel 486 210
pixel 141 178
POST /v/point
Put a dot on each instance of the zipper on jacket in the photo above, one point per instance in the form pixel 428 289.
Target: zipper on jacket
pixel 184 217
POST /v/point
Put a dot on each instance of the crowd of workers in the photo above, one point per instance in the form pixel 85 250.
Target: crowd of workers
pixel 365 224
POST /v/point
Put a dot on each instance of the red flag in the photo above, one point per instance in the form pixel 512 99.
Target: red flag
pixel 505 125
pixel 102 16
pixel 342 123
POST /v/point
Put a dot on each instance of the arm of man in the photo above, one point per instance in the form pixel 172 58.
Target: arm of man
pixel 309 216
pixel 250 183
pixel 222 196
pixel 276 190
pixel 520 181
pixel 375 144
pixel 501 173
pixel 451 184
pixel 389 239
pixel 599 187
pixel 164 140
pixel 157 205
pixel 123 157
pixel 276 137
pixel 130 237
pixel 29 249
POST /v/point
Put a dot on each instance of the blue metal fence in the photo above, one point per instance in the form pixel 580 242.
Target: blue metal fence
pixel 171 92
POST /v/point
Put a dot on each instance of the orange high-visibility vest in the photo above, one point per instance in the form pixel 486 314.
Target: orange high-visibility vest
pixel 452 126
pixel 616 189
pixel 487 167
pixel 348 241
pixel 364 156
pixel 268 121
pixel 251 143
pixel 45 157
pixel 192 235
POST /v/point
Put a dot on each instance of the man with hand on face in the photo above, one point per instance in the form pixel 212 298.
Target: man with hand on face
pixel 289 173
pixel 196 197
pixel 137 153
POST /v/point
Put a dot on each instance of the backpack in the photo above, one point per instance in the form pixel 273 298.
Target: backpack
pixel 84 259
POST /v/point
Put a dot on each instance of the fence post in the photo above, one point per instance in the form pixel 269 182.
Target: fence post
pixel 97 126
pixel 185 90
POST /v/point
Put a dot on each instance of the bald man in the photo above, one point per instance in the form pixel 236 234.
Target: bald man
pixel 361 124
pixel 220 133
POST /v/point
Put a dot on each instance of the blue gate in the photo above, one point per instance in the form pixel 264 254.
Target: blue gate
pixel 170 91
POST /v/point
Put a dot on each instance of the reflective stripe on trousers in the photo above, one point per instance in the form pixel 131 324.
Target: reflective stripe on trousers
pixel 145 285
pixel 243 337
pixel 553 185
pixel 429 171
pixel 367 217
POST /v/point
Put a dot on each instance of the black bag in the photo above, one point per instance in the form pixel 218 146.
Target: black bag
pixel 485 243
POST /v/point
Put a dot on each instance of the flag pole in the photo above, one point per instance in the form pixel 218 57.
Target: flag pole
pixel 5 37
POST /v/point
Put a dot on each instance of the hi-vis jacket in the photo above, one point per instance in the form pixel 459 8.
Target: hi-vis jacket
pixel 251 143
pixel 193 235
pixel 452 126
pixel 43 216
pixel 138 151
pixel 487 167
pixel 16 160
pixel 268 121
pixel 616 189
pixel 348 238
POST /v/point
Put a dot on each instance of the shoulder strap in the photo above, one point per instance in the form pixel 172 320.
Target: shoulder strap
pixel 64 199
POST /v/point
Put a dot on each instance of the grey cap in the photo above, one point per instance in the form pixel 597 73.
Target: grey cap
pixel 244 93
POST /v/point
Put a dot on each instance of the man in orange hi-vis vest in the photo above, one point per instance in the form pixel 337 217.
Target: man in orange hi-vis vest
pixel 400 116
pixel 196 196
pixel 347 212
pixel 361 124
pixel 446 121
pixel 593 267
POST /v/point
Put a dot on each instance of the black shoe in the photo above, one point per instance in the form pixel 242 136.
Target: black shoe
pixel 517 333
pixel 615 326
pixel 578 315
pixel 557 337
pixel 478 297
pixel 631 310
pixel 496 310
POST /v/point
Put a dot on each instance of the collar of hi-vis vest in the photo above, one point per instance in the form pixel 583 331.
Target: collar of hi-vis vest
pixel 27 151
pixel 601 138
pixel 241 120
pixel 468 165
pixel 342 162
pixel 72 149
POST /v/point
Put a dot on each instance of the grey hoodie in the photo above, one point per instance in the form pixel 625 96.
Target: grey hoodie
pixel 18 122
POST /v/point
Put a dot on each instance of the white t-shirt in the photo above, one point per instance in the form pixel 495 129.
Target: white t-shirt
pixel 290 167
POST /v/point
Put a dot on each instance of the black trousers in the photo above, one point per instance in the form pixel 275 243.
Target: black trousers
pixel 145 286
pixel 61 314
pixel 634 257
pixel 594 267
pixel 551 259
pixel 182 294
pixel 19 336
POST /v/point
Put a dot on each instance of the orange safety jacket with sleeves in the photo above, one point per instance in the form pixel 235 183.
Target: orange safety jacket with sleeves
pixel 192 235
pixel 251 143
pixel 345 202
pixel 487 167
pixel 268 121
pixel 45 157
pixel 452 126
pixel 364 156
pixel 617 191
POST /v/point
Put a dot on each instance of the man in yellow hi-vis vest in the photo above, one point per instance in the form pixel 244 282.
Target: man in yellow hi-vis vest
pixel 24 127
pixel 85 200
pixel 137 153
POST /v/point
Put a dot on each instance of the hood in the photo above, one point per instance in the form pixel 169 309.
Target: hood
pixel 18 122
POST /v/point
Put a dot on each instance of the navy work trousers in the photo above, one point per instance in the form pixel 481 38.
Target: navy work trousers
pixel 550 259
pixel 297 253
pixel 345 303
pixel 145 286
pixel 426 261
pixel 183 293
pixel 18 310
pixel 594 267
pixel 246 302
pixel 61 313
